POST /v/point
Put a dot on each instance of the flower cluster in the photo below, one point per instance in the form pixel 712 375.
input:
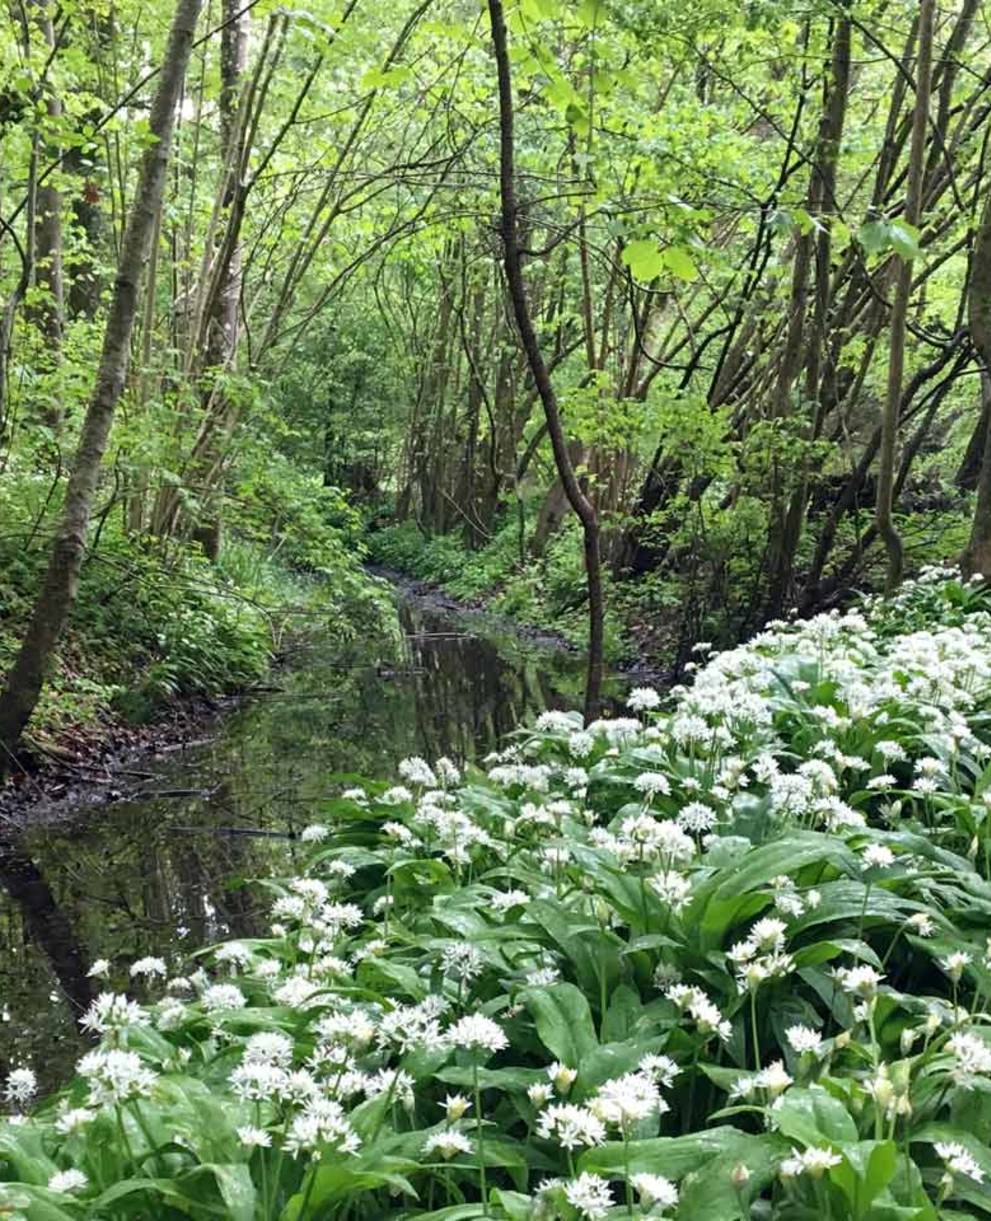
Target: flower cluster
pixel 751 916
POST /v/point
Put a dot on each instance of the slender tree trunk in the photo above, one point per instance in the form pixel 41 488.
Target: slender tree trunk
pixel 583 508
pixel 84 166
pixel 8 316
pixel 814 252
pixel 48 314
pixel 899 308
pixel 51 611
pixel 223 320
pixel 977 556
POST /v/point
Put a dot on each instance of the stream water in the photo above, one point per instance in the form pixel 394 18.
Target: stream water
pixel 175 865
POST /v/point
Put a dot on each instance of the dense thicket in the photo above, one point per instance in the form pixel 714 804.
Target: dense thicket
pixel 753 246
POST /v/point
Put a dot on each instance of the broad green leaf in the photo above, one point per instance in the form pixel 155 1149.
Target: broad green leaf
pixel 563 1020
pixel 711 1193
pixel 672 1156
pixel 680 263
pixel 644 259
pixel 904 239
pixel 591 12
pixel 873 236
pixel 341 1178
pixel 814 1117
pixel 866 1170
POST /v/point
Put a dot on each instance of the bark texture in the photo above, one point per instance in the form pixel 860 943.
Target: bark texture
pixel 580 503
pixel 899 307
pixel 977 557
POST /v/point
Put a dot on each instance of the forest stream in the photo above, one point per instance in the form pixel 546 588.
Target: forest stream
pixel 174 865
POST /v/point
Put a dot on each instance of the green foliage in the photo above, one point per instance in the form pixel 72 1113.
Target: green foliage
pixel 546 593
pixel 155 620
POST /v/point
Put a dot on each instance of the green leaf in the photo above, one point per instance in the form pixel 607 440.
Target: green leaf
pixel 235 1187
pixel 539 10
pixel 577 117
pixel 679 262
pixel 725 899
pixel 813 1117
pixel 380 78
pixel 672 1156
pixel 343 1179
pixel 873 236
pixel 803 221
pixel 710 1193
pixel 866 1170
pixel 644 259
pixel 591 12
pixel 904 239
pixel 620 1018
pixel 563 1020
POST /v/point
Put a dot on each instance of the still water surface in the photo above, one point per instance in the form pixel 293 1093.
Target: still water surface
pixel 175 866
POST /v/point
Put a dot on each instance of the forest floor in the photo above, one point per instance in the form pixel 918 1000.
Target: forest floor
pixel 84 766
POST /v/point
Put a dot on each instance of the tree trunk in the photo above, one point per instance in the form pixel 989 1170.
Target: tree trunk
pixel 899 308
pixel 46 923
pixel 224 316
pixel 51 611
pixel 583 508
pixel 48 314
pixel 969 470
pixel 977 556
pixel 814 251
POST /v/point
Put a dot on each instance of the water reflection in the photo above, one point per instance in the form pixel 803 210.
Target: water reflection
pixel 173 866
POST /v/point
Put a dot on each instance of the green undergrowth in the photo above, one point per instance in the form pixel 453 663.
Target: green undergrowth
pixel 724 958
pixel 156 621
pixel 548 592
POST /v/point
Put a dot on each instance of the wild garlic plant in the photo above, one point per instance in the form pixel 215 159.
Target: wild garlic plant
pixel 723 957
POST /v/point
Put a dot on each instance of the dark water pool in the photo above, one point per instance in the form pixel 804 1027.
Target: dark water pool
pixel 173 866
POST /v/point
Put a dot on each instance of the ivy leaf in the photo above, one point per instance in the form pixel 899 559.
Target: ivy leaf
pixel 644 259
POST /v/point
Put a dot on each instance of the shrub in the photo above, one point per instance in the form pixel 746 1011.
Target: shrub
pixel 723 960
pixel 154 620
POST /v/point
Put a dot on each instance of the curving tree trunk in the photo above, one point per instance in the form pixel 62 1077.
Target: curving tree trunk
pixel 580 503
pixel 899 306
pixel 51 612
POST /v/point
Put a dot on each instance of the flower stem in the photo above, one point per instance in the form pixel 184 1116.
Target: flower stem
pixel 309 1189
pixel 626 1172
pixel 480 1133
pixel 124 1139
